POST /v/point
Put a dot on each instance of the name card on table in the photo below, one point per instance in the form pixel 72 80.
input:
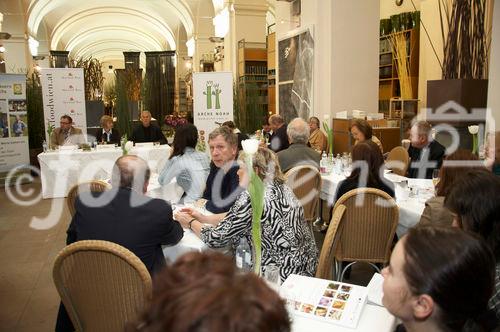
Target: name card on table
pixel 105 146
pixel 144 145
pixel 325 300
pixel 68 147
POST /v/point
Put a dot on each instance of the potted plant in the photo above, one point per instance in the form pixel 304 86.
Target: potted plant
pixel 465 64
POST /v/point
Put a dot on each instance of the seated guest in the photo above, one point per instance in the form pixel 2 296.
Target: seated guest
pixel 361 131
pixel 365 154
pixel 206 292
pixel 435 213
pixel 317 140
pixel 107 135
pixel 431 275
pixel 475 204
pixel 426 154
pixel 266 129
pixel 189 167
pixel 298 153
pixel 241 136
pixel 279 138
pixel 66 134
pixel 222 183
pixel 492 152
pixel 287 240
pixel 128 218
pixel 146 131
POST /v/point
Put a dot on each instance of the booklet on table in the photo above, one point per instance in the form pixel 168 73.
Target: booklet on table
pixel 329 301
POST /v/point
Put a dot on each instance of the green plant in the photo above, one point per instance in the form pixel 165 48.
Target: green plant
pixel 93 78
pixel 34 104
pixel 329 133
pixel 466 46
pixel 121 109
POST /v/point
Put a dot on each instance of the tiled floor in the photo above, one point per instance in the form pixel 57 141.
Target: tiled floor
pixel 28 298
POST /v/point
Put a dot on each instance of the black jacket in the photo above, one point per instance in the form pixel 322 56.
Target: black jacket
pixel 114 139
pixel 279 139
pixel 141 229
pixel 221 191
pixel 435 153
pixel 143 134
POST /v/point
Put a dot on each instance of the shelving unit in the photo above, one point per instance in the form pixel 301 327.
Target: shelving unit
pixel 252 84
pixel 271 73
pixel 388 74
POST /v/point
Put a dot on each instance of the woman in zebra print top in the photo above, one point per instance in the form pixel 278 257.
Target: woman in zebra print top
pixel 287 240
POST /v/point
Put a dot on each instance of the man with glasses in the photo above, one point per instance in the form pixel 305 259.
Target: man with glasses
pixel 66 134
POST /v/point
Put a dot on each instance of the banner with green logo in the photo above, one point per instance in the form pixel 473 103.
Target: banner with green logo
pixel 212 99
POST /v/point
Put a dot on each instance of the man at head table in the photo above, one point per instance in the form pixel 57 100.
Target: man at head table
pixel 146 131
pixel 108 134
pixel 66 134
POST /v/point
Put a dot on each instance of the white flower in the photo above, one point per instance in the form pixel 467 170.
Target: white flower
pixel 473 129
pixel 129 145
pixel 250 146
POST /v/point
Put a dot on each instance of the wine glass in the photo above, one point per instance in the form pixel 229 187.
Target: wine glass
pixel 435 177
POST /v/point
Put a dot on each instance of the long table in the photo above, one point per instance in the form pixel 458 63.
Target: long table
pixel 62 169
pixel 410 208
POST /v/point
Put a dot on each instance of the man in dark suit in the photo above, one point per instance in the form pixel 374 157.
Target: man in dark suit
pixel 426 154
pixel 298 153
pixel 146 131
pixel 124 215
pixel 108 134
pixel 279 139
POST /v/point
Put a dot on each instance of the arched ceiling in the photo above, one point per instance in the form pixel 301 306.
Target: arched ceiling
pixel 105 28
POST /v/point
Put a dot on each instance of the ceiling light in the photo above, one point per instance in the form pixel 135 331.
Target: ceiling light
pixel 2 49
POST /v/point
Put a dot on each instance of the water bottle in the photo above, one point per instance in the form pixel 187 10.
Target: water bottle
pixel 338 164
pixel 244 255
pixel 45 146
pixel 323 163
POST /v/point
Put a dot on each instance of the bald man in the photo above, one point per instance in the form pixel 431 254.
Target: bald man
pixel 126 216
pixel 298 153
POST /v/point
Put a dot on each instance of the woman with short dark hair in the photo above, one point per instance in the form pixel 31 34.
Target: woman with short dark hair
pixel 474 202
pixel 206 292
pixel 440 279
pixel 362 131
pixel 189 167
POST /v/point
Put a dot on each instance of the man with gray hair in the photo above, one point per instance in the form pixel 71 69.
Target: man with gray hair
pixel 126 216
pixel 298 153
pixel 425 153
pixel 146 131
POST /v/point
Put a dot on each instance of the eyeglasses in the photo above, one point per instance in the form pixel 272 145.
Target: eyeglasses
pixel 63 123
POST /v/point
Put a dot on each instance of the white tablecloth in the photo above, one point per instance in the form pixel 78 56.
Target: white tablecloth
pixel 373 319
pixel 61 170
pixel 190 242
pixel 410 208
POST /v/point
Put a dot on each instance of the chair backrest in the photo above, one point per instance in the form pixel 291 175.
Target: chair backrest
pixel 398 160
pixel 363 225
pixel 102 285
pixel 95 186
pixel 305 182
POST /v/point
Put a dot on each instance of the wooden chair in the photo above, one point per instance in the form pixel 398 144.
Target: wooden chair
pixel 305 182
pixel 102 285
pixel 398 160
pixel 362 229
pixel 95 186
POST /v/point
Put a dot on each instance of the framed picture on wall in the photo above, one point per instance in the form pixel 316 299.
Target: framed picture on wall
pixel 295 74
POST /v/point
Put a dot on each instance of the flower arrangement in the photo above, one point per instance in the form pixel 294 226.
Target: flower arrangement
pixel 173 121
pixel 256 191
pixel 126 145
pixel 473 130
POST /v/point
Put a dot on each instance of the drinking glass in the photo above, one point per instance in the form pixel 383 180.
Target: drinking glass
pixel 272 275
pixel 435 177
